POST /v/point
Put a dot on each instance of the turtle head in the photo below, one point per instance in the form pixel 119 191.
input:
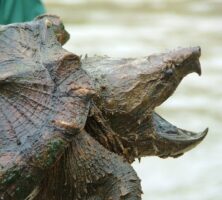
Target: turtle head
pixel 130 89
pixel 55 23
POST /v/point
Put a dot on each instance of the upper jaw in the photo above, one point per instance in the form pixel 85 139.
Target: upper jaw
pixel 190 61
pixel 183 60
pixel 171 67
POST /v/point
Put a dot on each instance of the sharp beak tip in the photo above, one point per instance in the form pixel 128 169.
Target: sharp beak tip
pixel 204 133
pixel 193 143
pixel 199 72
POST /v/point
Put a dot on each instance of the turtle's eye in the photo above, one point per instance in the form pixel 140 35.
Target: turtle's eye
pixel 168 72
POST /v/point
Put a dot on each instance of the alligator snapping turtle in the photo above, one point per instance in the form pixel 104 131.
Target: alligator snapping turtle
pixel 71 127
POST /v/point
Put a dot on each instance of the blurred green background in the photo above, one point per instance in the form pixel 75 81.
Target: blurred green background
pixel 131 28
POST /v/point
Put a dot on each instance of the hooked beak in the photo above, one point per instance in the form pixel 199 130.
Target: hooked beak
pixel 191 63
pixel 172 141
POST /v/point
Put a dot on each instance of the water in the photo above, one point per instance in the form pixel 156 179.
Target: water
pixel 139 28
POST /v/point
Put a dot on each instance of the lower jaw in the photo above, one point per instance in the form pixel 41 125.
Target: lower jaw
pixel 161 138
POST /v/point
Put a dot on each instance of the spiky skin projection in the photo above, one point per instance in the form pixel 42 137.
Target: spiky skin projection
pixel 71 127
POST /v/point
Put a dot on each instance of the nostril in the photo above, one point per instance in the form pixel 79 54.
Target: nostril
pixel 168 72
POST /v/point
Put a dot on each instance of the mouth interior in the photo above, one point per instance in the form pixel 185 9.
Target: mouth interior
pixel 169 132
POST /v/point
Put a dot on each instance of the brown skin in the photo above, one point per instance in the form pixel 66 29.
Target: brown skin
pixel 70 128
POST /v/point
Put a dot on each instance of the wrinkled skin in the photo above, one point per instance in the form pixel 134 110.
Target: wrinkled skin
pixel 70 128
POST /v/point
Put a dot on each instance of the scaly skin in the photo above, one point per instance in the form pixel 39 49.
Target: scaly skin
pixel 90 171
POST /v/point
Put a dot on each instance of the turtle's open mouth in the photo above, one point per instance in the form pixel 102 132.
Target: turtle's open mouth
pixel 170 140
